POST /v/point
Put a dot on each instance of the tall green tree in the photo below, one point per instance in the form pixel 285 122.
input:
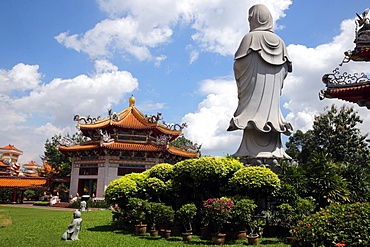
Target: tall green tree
pixel 183 142
pixel 61 164
pixel 335 145
pixel 336 133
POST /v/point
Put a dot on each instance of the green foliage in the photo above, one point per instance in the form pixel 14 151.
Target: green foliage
pixel 56 159
pixel 90 204
pixel 162 171
pixel 334 132
pixel 181 142
pixel 288 216
pixel 167 216
pixel 136 207
pixel 120 190
pixel 293 180
pixel 324 183
pixel 347 224
pixel 41 203
pixel 242 213
pixel 155 188
pixel 255 180
pixel 6 195
pixel 154 212
pixel 186 215
pixel 345 172
pixel 204 177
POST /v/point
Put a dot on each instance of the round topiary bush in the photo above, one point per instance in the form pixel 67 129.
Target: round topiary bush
pixel 255 180
pixel 204 177
pixel 335 225
pixel 119 190
pixel 163 171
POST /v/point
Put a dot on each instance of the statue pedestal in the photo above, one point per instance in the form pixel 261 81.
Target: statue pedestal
pixel 272 163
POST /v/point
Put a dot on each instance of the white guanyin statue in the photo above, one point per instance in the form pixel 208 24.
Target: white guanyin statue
pixel 260 67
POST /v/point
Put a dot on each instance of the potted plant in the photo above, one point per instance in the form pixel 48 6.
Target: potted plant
pixel 271 223
pixel 186 215
pixel 205 230
pixel 154 212
pixel 165 220
pixel 241 214
pixel 137 208
pixel 217 211
pixel 256 227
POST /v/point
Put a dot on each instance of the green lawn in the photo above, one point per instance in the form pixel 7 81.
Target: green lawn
pixel 44 227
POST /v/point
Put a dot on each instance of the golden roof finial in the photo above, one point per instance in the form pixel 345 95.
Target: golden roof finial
pixel 132 100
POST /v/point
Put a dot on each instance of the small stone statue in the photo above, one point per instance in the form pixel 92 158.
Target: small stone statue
pixel 83 206
pixel 74 228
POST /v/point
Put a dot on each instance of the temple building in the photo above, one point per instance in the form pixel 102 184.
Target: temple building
pixel 31 169
pixel 16 177
pixel 122 143
pixel 354 88
pixel 9 165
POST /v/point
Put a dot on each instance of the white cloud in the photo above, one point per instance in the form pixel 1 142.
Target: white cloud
pixel 80 95
pixel 309 65
pixel 207 126
pixel 136 27
pixel 21 77
pixel 300 99
pixel 57 102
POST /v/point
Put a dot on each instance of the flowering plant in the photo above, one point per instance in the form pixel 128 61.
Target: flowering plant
pixel 217 212
pixel 336 225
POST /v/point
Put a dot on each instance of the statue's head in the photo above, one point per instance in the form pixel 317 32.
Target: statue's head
pixel 77 214
pixel 260 18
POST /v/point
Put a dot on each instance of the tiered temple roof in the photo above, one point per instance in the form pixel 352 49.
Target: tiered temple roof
pixel 355 87
pixel 12 177
pixel 130 133
pixel 8 160
pixel 31 169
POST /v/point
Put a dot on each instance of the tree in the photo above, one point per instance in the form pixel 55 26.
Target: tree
pixel 325 183
pixel 182 142
pixel 335 133
pixel 61 165
pixel 334 145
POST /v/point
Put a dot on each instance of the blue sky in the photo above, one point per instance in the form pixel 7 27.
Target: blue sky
pixel 61 58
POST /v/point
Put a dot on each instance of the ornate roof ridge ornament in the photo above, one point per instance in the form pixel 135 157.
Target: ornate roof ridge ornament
pixel 354 87
pixel 86 120
pixel 112 115
pixel 154 118
pixel 176 127
pixel 336 79
pixel 362 40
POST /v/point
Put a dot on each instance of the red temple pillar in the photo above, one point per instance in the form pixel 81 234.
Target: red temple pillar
pixel 14 198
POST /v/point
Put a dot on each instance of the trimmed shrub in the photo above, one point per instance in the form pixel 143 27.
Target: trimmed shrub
pixel 41 203
pixel 255 180
pixel 120 190
pixel 335 225
pixel 155 188
pixel 161 171
pixel 204 177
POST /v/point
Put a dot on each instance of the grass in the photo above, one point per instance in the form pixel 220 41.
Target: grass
pixel 44 227
pixel 5 219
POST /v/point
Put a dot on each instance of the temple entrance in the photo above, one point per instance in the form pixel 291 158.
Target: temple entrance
pixel 87 187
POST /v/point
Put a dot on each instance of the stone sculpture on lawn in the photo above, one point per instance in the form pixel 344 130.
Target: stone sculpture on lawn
pixel 74 228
